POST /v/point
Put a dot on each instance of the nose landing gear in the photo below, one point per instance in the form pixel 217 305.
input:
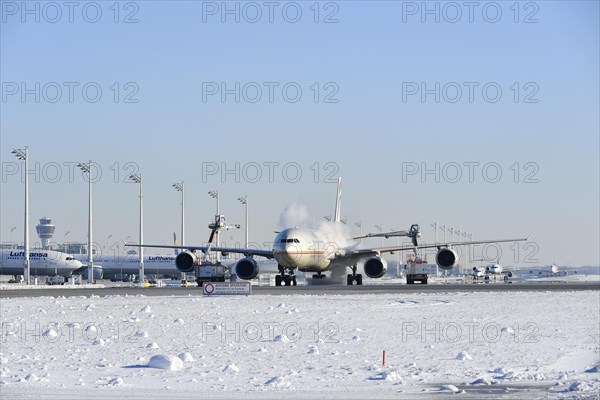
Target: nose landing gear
pixel 286 276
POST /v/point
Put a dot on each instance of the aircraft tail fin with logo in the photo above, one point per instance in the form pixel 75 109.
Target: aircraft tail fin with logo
pixel 175 243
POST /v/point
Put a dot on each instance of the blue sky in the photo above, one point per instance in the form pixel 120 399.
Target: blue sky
pixel 373 131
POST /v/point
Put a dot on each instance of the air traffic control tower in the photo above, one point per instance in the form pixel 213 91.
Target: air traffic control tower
pixel 45 230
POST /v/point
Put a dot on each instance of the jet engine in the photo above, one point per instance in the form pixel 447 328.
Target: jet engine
pixel 246 268
pixel 186 261
pixel 446 258
pixel 375 267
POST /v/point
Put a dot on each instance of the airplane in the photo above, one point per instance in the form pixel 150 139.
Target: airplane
pixel 106 267
pixel 494 269
pixel 548 271
pixel 41 262
pixel 317 251
pixel 478 272
pixel 491 269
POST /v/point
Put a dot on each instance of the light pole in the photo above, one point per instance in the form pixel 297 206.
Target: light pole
pixel 359 226
pixel 380 227
pixel 244 201
pixel 443 228
pixel 397 255
pixel 179 187
pixel 215 195
pixel 470 247
pixel 435 226
pixel 466 269
pixel 87 169
pixel 137 178
pixel 21 154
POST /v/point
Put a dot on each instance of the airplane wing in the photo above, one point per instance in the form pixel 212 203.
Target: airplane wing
pixel 206 249
pixel 362 253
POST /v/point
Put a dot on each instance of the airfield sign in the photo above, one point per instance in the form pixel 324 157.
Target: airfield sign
pixel 226 288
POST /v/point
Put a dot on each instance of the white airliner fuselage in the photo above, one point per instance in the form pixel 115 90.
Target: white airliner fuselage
pixel 303 249
pixel 129 264
pixel 494 269
pixel 41 262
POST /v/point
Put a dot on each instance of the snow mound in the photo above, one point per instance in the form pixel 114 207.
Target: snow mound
pixel 146 309
pixel 450 389
pixel 314 350
pixel 178 321
pixel 593 370
pixel 481 381
pixel 577 386
pixel 141 334
pixel 51 333
pixel 90 307
pixel 231 368
pixel 99 342
pixel 392 376
pixel 280 305
pixel 91 328
pixel 463 355
pixel 152 345
pixel 507 329
pixel 170 363
pixel 277 381
pixel 31 378
pixel 185 356
pixel 281 338
pixel 118 381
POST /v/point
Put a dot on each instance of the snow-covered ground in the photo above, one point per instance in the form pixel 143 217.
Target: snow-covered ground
pixel 502 344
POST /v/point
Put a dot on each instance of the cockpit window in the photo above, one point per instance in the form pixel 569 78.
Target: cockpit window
pixel 289 241
pixel 296 241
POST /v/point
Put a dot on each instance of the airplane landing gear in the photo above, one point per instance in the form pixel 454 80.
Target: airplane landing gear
pixel 354 277
pixel 286 276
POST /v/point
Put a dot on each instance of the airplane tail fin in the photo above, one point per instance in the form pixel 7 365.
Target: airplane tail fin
pixel 338 201
pixel 175 243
